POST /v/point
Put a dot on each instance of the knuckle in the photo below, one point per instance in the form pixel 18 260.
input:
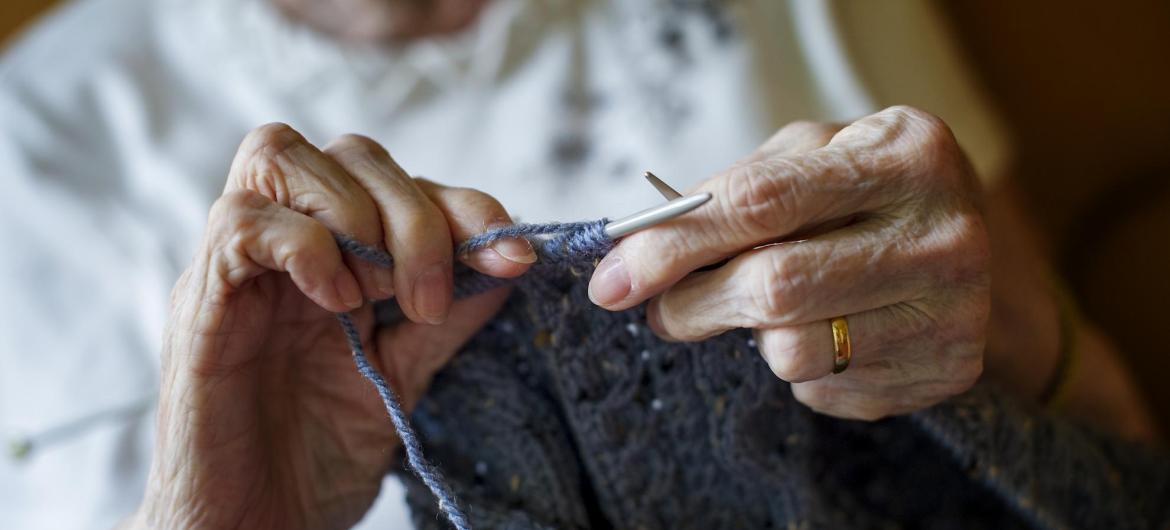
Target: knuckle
pixel 235 210
pixel 756 201
pixel 231 229
pixel 781 351
pixel 356 144
pixel 767 300
pixel 781 281
pixel 901 111
pixel 903 130
pixel 929 131
pixel 907 114
pixel 258 163
pixel 271 138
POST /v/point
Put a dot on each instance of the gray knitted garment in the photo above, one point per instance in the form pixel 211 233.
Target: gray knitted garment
pixel 559 414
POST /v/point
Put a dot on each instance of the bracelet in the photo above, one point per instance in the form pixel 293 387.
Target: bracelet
pixel 1068 354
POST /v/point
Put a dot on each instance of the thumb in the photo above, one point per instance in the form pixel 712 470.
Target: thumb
pixel 414 352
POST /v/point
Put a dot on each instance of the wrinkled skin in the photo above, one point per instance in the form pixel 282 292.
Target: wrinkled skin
pixel 894 242
pixel 265 423
pixel 878 221
pixel 263 420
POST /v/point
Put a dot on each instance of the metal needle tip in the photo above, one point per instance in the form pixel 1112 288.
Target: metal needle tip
pixel 652 216
pixel 662 187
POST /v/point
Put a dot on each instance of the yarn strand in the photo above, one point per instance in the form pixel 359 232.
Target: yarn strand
pixel 429 474
pixel 553 242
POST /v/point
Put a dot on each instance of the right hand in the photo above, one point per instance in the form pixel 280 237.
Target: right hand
pixel 264 422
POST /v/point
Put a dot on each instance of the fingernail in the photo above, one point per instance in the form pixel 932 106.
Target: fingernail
pixel 515 249
pixel 347 288
pixel 610 283
pixel 384 282
pixel 654 317
pixel 432 294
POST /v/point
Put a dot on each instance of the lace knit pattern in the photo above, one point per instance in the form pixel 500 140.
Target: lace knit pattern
pixel 559 414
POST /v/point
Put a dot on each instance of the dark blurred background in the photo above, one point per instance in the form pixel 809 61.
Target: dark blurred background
pixel 1085 87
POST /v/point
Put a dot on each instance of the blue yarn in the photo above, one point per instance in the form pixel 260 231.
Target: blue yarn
pixel 414 453
pixel 554 243
pixel 582 233
pixel 373 255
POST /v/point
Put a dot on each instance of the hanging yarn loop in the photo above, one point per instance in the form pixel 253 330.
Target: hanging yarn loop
pixel 554 243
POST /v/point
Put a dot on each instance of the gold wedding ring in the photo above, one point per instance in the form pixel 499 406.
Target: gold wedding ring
pixel 842 349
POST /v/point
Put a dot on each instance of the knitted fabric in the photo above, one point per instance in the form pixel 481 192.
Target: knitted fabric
pixel 559 414
pixel 561 242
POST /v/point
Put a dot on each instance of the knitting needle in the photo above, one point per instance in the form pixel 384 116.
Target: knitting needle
pixel 652 216
pixel 671 194
pixel 662 187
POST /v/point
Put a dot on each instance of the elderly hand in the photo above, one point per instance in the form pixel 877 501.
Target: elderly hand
pixel 263 420
pixel 877 222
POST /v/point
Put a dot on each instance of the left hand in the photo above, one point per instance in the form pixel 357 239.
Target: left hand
pixel 877 221
pixel 263 421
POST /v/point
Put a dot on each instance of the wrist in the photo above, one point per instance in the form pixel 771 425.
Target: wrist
pixel 1024 340
pixel 1068 350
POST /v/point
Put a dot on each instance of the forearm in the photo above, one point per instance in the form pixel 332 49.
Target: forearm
pixel 1102 391
pixel 1025 343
